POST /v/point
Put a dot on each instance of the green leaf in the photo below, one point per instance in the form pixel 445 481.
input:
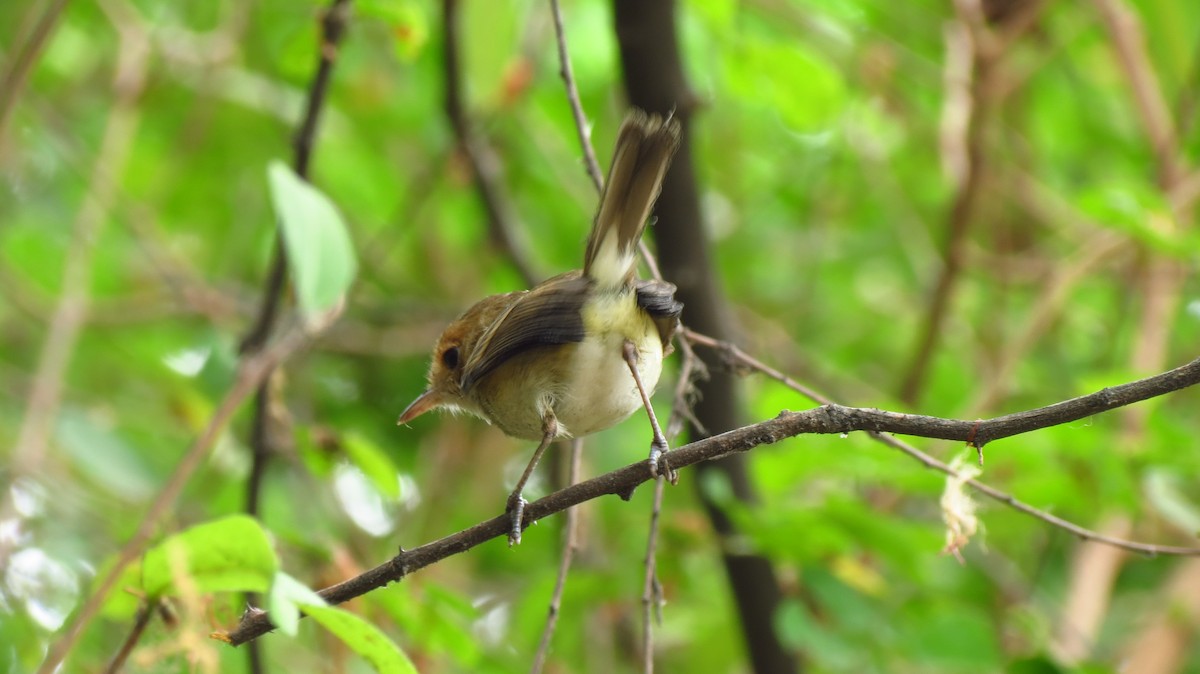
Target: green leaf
pixel 1167 492
pixel 225 555
pixel 373 463
pixel 407 20
pixel 320 255
pixel 363 638
pixel 284 602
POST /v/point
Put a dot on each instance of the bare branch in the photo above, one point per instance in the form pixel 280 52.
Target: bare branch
pixel 251 372
pixel 145 612
pixel 968 69
pixel 24 56
pixel 651 588
pixel 333 28
pixel 1151 105
pixel 826 419
pixel 71 310
pixel 570 531
pixel 484 165
pixel 581 123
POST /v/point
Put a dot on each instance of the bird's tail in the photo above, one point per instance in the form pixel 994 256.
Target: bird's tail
pixel 644 149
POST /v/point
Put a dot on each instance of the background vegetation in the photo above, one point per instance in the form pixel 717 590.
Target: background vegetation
pixel 849 153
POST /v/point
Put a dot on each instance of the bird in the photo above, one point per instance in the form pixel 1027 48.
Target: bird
pixel 579 352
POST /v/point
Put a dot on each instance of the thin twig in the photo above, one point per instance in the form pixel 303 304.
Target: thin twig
pixel 333 28
pixel 23 57
pixel 145 612
pixel 969 65
pixel 583 129
pixel 570 543
pixel 735 354
pixel 1056 291
pixel 650 587
pixel 692 370
pixel 250 373
pixel 72 309
pixel 979 439
pixel 1152 105
pixel 485 167
pixel 678 413
pixel 581 124
pixel 826 419
pixel 681 413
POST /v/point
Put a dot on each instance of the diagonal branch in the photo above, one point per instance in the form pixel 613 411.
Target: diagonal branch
pixel 485 167
pixel 568 75
pixel 251 372
pixel 24 56
pixel 826 419
pixel 969 66
pixel 333 28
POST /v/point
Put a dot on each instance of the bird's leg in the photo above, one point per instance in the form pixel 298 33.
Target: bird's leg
pixel 658 447
pixel 516 504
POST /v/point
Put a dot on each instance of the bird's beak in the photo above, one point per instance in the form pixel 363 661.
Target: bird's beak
pixel 424 402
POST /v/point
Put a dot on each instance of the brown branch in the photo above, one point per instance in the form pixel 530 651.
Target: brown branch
pixel 570 544
pixel 655 80
pixel 651 588
pixel 1092 577
pixel 23 57
pixel 251 371
pixel 1152 106
pixel 583 129
pixel 826 419
pixel 333 28
pixel 568 77
pixel 968 71
pixel 739 357
pixel 145 612
pixel 71 310
pixel 681 411
pixel 485 167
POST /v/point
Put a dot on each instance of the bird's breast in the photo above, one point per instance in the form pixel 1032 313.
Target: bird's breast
pixel 587 384
pixel 600 391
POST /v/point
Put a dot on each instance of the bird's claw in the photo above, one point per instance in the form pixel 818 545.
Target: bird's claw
pixel 658 455
pixel 516 509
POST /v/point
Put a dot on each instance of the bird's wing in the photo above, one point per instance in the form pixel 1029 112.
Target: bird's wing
pixel 548 314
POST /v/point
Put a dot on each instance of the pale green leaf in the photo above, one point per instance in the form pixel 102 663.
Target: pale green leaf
pixel 320 255
pixel 226 555
pixel 284 601
pixel 363 638
pixel 374 464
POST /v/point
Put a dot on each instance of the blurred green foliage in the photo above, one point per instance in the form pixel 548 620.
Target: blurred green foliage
pixel 827 198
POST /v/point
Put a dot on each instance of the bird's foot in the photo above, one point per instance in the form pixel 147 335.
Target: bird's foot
pixel 658 459
pixel 516 510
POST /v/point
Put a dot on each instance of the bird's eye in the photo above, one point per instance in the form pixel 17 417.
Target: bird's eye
pixel 450 357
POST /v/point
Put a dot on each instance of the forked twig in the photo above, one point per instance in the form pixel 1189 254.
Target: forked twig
pixel 570 531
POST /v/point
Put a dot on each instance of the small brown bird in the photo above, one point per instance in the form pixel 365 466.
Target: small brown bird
pixel 581 351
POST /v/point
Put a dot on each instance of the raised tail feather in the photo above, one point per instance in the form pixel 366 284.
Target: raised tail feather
pixel 644 149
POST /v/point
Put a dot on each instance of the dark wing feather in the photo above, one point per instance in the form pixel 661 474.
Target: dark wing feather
pixel 548 314
pixel 657 298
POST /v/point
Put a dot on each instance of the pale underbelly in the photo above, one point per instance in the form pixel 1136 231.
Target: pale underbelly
pixel 602 392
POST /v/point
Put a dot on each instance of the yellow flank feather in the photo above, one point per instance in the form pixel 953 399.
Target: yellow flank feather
pixel 617 313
